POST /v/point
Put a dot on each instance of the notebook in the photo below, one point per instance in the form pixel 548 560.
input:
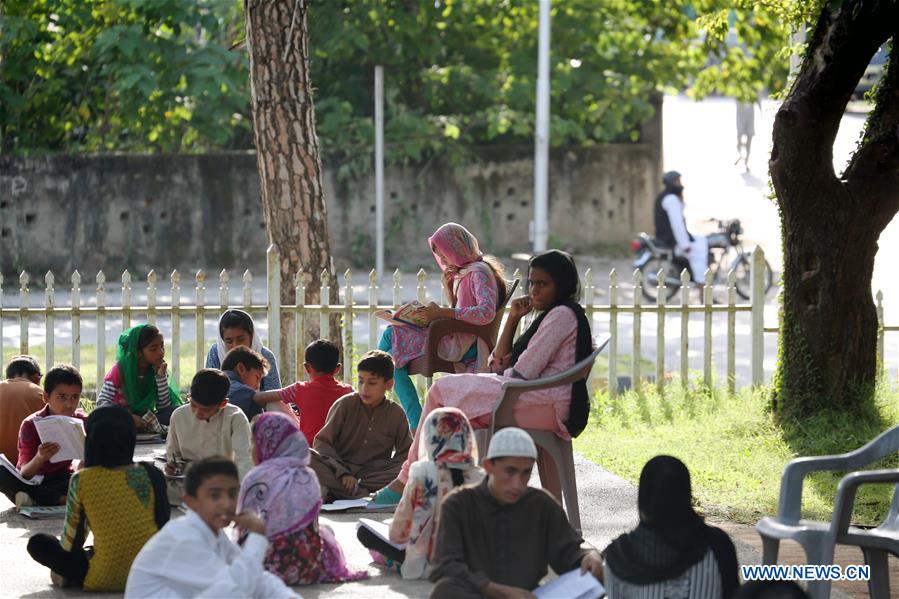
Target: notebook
pixel 34 480
pixel 68 432
pixel 41 512
pixel 574 585
pixel 380 530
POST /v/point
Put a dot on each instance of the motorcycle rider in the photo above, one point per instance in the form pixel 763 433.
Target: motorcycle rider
pixel 671 227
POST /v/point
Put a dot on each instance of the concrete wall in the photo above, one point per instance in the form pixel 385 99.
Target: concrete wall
pixel 203 211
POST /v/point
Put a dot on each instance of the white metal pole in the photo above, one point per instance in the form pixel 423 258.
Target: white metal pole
pixel 379 169
pixel 541 151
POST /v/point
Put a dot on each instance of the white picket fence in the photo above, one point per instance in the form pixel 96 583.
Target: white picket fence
pixel 127 311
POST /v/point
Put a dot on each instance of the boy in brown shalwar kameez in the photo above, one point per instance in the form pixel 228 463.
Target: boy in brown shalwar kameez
pixel 366 438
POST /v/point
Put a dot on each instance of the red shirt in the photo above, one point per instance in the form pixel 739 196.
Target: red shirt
pixel 314 398
pixel 29 441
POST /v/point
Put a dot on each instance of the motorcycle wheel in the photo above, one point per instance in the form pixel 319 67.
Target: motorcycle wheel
pixel 650 272
pixel 743 269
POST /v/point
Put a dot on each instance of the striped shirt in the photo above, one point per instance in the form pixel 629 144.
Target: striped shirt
pixel 110 394
pixel 701 581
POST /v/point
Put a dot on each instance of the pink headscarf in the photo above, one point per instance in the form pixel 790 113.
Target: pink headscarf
pixel 282 487
pixel 456 244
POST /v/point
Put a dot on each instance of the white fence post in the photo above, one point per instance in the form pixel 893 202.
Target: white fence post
pixel 636 357
pixel 731 331
pixel 224 291
pixel 273 301
pixel 49 331
pixel 684 327
pixel 423 298
pixel 348 326
pixel 126 300
pixel 588 303
pixel 23 313
pixel 661 296
pixel 707 345
pixel 151 297
pixel 200 319
pixel 758 316
pixel 613 333
pixel 324 329
pixel 176 324
pixel 101 329
pixel 247 290
pixel 76 319
pixel 1 314
pixel 397 288
pixel 300 322
pixel 372 307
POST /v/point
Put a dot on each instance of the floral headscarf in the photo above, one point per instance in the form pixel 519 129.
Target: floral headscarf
pixel 448 440
pixel 456 244
pixel 282 487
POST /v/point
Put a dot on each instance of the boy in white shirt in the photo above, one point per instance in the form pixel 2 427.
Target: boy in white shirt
pixel 206 426
pixel 192 557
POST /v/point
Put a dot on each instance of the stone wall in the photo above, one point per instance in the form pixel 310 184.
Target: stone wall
pixel 203 211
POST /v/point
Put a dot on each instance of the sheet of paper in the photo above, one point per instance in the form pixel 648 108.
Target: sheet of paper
pixel 39 512
pixel 34 480
pixel 68 432
pixel 380 529
pixel 344 504
pixel 571 585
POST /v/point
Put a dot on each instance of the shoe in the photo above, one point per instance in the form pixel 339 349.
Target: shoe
pixel 23 499
pixel 386 497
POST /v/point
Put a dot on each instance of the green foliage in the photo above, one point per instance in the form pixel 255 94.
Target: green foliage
pixel 121 75
pixel 736 448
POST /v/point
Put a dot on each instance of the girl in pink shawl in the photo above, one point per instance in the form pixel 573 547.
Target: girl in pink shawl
pixel 285 492
pixel 474 285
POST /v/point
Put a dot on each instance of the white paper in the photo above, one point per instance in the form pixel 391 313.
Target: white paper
pixel 571 585
pixel 344 504
pixel 34 480
pixel 380 529
pixel 67 431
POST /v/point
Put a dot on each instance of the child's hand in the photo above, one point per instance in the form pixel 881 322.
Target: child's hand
pixel 139 423
pixel 520 306
pixel 45 451
pixel 350 484
pixel 162 368
pixel 431 312
pixel 250 522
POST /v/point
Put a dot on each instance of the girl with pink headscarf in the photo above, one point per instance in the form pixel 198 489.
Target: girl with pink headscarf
pixel 474 285
pixel 286 494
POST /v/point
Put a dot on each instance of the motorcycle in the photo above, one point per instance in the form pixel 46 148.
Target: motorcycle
pixel 725 253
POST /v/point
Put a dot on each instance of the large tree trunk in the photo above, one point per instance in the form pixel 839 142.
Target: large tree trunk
pixel 830 224
pixel 290 170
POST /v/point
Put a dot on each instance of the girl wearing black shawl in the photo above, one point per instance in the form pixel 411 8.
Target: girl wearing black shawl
pixel 123 503
pixel 672 552
pixel 558 338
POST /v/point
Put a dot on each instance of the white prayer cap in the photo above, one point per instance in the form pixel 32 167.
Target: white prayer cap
pixel 511 442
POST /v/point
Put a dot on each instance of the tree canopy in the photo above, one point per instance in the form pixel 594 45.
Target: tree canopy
pixel 129 75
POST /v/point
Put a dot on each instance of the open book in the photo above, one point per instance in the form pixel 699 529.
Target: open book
pixel 380 530
pixel 407 314
pixel 34 480
pixel 572 584
pixel 68 432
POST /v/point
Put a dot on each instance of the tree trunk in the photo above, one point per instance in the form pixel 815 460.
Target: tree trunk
pixel 290 170
pixel 830 225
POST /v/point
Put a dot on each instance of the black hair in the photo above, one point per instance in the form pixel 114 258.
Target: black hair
pixel 147 336
pixel 322 355
pixel 378 363
pixel 250 358
pixel 561 269
pixel 209 387
pixel 235 318
pixel 25 366
pixel 202 470
pixel 62 374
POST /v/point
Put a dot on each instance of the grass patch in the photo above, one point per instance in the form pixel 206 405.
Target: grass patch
pixel 735 448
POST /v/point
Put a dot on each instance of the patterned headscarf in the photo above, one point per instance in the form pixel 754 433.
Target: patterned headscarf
pixel 456 244
pixel 282 487
pixel 448 440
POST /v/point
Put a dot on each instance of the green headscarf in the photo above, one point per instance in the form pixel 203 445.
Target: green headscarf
pixel 140 394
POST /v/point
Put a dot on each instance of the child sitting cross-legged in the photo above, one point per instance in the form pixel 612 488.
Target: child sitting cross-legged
pixel 122 503
pixel 282 487
pixel 192 557
pixel 365 438
pixel 313 398
pixel 62 395
pixel 246 369
pixel 207 426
